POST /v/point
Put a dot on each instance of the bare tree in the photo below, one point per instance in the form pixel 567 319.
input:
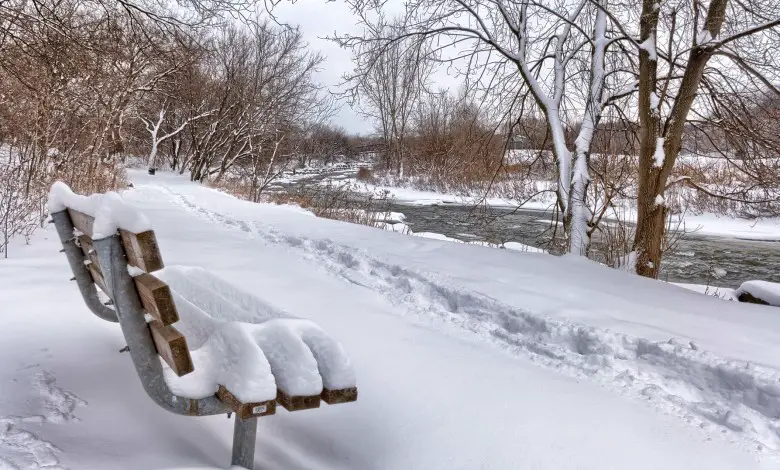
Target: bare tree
pixel 72 74
pixel 529 51
pixel 322 142
pixel 388 80
pixel 677 42
pixel 257 81
pixel 154 132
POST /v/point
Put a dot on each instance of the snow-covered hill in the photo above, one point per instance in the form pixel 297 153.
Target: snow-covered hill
pixel 466 357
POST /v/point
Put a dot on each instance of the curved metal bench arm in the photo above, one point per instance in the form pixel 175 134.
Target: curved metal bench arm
pixel 76 260
pixel 139 340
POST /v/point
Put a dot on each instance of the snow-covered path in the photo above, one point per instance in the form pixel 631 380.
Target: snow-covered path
pixel 441 335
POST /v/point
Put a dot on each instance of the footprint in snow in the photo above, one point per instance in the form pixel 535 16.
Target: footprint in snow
pixel 21 449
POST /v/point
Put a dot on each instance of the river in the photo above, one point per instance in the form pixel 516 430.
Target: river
pixel 696 259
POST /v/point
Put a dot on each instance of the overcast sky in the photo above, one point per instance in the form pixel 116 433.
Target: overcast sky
pixel 317 19
pixel 320 18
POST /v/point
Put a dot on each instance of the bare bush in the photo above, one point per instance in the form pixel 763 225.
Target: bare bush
pixel 22 199
pixel 339 202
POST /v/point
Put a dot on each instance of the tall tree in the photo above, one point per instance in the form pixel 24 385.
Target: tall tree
pixel 677 42
pixel 390 77
pixel 529 49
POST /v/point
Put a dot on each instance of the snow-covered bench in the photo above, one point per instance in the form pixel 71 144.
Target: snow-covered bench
pixel 229 351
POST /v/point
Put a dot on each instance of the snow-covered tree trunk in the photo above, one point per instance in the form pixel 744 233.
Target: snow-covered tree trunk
pixel 647 242
pixel 154 131
pixel 579 232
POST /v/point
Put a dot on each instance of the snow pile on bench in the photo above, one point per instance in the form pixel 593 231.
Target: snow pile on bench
pixel 763 291
pixel 110 211
pixel 247 345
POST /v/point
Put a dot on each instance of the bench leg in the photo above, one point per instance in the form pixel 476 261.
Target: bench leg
pixel 244 434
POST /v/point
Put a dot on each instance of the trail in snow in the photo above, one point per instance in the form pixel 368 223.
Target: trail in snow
pixel 22 449
pixel 677 377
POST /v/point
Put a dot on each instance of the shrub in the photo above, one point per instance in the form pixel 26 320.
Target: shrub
pixel 364 174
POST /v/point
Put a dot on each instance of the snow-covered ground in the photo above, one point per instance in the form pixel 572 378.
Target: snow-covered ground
pixel 724 293
pixel 466 357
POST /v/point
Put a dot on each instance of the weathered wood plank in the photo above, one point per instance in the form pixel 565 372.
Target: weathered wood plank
pixel 97 277
pixel 246 410
pixel 142 250
pixel 89 251
pixel 156 298
pixel 297 403
pixel 85 243
pixel 82 222
pixel 345 395
pixel 172 347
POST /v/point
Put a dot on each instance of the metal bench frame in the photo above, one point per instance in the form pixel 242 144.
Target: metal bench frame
pixel 129 313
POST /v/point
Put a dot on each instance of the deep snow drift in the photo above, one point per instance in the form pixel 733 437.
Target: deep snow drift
pixel 466 357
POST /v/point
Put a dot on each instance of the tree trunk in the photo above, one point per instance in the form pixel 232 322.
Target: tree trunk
pixel 578 212
pixel 152 154
pixel 649 229
pixel 654 166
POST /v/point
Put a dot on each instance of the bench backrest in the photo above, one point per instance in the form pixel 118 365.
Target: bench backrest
pixel 143 254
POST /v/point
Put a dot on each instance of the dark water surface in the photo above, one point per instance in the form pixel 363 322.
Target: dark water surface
pixel 696 259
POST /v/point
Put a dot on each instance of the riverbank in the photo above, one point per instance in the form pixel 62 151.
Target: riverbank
pixel 716 251
pixel 709 224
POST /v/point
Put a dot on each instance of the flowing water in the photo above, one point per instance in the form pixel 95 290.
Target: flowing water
pixel 696 259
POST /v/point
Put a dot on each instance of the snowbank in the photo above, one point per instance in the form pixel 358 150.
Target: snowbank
pixel 517 246
pixel 640 337
pixel 390 217
pixel 724 293
pixel 397 227
pixel 768 292
pixel 514 246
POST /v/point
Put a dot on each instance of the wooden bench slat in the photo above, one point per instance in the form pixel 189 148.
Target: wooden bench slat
pixel 246 410
pixel 142 250
pixel 172 347
pixel 297 403
pixel 82 222
pixel 345 395
pixel 156 298
pixel 90 253
pixel 97 277
pixel 86 244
